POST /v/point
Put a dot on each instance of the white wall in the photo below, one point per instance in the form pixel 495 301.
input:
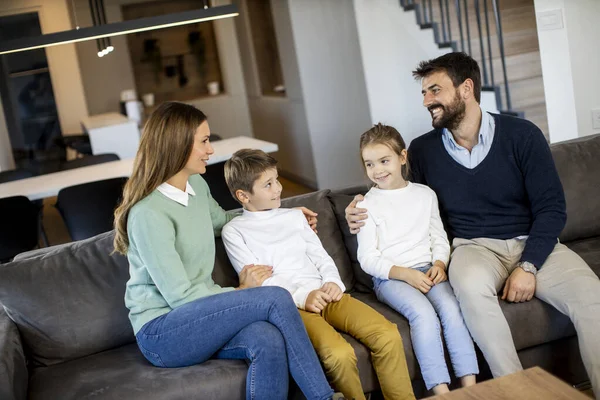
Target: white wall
pixel 570 64
pixel 280 120
pixel 347 65
pixel 63 65
pixel 333 87
pixel 392 45
pixel 583 31
pixel 103 77
pixel 228 113
pixel 557 75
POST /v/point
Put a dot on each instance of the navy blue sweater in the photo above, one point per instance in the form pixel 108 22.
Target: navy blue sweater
pixel 514 191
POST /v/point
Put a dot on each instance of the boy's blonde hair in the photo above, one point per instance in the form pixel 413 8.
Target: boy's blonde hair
pixel 245 167
pixel 389 136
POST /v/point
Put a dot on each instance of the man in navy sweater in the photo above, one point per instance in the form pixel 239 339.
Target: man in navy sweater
pixel 504 205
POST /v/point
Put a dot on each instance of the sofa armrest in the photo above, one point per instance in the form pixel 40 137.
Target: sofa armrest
pixel 13 367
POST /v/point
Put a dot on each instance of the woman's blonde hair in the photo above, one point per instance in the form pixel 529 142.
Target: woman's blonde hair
pixel 389 136
pixel 165 147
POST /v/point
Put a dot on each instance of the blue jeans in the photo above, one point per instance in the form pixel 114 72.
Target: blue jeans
pixel 261 325
pixel 422 311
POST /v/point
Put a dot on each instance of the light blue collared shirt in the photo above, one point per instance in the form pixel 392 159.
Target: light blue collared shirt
pixel 472 159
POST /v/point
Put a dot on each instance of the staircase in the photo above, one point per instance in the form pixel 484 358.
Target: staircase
pixel 502 37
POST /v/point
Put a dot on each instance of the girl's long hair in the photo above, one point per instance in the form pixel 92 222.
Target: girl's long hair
pixel 164 150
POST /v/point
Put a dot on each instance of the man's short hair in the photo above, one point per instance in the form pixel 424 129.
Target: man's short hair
pixel 459 67
pixel 245 167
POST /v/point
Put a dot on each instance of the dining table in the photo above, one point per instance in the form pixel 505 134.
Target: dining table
pixel 48 185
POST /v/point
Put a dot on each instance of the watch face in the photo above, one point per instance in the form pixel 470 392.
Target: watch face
pixel 528 267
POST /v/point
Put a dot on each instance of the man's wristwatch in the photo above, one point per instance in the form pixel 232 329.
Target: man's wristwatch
pixel 527 267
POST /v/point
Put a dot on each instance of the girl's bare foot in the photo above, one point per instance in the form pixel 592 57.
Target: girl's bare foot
pixel 468 380
pixel 440 389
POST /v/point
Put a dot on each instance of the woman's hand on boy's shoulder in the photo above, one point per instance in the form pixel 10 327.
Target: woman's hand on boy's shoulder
pixel 311 217
pixel 354 215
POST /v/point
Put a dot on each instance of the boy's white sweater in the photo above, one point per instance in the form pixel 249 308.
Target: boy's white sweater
pixel 281 238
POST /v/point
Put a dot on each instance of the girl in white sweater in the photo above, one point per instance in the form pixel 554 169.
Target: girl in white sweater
pixel 404 247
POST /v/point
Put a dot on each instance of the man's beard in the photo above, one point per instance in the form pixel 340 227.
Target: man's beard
pixel 452 114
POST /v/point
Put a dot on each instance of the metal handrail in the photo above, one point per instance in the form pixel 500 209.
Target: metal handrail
pixel 460 25
pixel 483 64
pixel 501 45
pixel 438 15
pixel 443 21
pixel 430 12
pixel 468 28
pixel 489 40
pixel 448 23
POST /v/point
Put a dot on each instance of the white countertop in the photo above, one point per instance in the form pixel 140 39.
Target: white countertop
pixel 49 185
pixel 103 120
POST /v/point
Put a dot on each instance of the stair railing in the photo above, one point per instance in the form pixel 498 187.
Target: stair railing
pixel 442 15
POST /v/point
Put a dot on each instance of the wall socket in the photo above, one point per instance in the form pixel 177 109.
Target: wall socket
pixel 596 118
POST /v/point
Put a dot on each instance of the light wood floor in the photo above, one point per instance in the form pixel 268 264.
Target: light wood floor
pixel 291 188
pixel 57 233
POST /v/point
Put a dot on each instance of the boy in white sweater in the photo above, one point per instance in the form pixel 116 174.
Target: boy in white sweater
pixel 266 234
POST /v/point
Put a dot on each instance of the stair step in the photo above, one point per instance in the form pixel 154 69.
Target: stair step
pixel 524 93
pixel 445 45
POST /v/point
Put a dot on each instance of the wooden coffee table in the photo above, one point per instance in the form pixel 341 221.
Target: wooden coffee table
pixel 532 383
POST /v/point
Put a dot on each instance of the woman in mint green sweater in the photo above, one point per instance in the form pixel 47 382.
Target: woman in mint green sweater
pixel 166 225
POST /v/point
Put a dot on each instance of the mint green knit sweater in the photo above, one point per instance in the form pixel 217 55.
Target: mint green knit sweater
pixel 171 252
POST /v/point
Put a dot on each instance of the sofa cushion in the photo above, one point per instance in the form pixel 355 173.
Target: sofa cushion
pixel 579 171
pixel 13 363
pixel 535 322
pixel 339 201
pixel 123 373
pixel 68 302
pixel 328 231
pixel 589 250
pixel 223 272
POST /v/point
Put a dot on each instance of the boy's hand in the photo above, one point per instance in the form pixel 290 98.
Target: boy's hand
pixel 311 217
pixel 437 273
pixel 418 280
pixel 333 290
pixel 316 301
pixel 254 275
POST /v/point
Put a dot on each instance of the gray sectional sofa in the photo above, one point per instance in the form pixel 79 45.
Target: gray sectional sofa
pixel 64 331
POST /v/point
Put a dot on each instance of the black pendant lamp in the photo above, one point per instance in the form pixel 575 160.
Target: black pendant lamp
pixel 101 31
pixel 99 18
